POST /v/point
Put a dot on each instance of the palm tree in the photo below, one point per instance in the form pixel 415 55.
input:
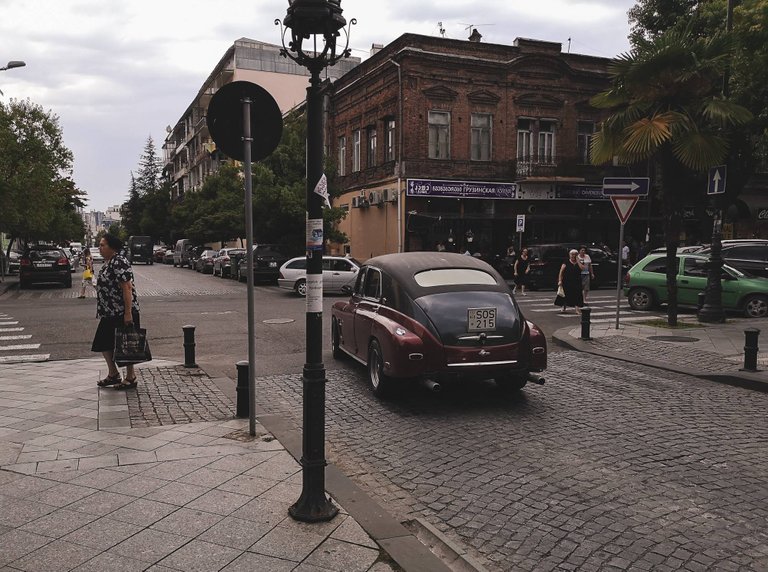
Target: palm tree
pixel 668 110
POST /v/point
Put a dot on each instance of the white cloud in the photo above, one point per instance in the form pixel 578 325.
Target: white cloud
pixel 116 72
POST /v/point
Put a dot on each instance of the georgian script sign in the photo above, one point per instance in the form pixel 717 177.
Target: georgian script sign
pixel 762 214
pixel 461 189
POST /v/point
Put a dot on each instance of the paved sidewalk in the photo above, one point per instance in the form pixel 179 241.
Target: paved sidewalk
pixel 80 489
pixel 708 351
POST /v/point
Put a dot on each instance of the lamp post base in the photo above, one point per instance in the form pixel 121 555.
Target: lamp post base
pixel 313 506
pixel 711 314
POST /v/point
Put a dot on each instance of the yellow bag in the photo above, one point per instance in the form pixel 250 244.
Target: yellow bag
pixel 87 274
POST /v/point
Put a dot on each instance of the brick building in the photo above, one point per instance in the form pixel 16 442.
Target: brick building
pixel 437 139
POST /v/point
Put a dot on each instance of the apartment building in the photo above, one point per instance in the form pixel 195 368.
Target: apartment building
pixel 189 153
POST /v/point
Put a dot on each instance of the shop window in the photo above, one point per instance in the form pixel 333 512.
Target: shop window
pixel 342 155
pixel 480 125
pixel 389 152
pixel 356 151
pixel 524 149
pixel 439 135
pixel 584 139
pixel 546 141
pixel 371 159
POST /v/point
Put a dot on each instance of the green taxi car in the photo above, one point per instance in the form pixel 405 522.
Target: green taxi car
pixel 645 285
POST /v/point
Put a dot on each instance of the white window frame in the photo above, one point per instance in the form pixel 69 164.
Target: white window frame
pixel 481 136
pixel 439 141
pixel 390 140
pixel 342 155
pixel 355 150
pixel 585 131
pixel 546 148
pixel 524 141
pixel 372 143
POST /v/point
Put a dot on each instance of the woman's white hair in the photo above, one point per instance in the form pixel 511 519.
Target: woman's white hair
pixel 573 251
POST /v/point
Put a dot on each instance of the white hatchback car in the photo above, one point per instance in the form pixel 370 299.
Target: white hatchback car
pixel 338 271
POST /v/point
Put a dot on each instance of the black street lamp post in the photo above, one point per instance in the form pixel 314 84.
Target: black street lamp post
pixel 320 21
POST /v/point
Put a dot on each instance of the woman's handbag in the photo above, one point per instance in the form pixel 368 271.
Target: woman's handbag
pixel 560 291
pixel 87 274
pixel 131 346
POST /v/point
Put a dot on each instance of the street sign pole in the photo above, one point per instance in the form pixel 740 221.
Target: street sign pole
pixel 618 274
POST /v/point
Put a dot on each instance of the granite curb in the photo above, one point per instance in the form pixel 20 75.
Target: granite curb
pixel 755 381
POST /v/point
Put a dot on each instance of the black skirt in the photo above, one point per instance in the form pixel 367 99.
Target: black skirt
pixel 104 340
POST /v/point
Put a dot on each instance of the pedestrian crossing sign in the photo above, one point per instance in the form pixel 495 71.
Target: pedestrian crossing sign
pixel 623 205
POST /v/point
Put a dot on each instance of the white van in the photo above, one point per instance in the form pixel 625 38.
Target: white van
pixel 181 252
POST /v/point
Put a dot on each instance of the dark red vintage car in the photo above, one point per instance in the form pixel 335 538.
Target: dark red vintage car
pixel 436 316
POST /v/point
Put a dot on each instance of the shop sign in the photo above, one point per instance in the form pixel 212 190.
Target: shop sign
pixel 461 189
pixel 580 192
pixel 762 214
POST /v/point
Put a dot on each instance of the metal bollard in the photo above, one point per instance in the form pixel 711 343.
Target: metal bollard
pixel 700 301
pixel 243 407
pixel 750 349
pixel 585 314
pixel 189 346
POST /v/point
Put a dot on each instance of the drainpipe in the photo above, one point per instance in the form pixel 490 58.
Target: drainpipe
pixel 399 126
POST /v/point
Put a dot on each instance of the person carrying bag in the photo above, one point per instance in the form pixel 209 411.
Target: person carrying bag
pixel 87 272
pixel 131 346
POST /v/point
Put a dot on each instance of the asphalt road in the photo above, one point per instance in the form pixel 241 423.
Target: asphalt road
pixel 173 297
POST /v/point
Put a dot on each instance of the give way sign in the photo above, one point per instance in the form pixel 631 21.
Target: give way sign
pixel 623 205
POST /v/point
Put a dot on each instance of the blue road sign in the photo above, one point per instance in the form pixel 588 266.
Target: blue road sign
pixel 632 186
pixel 716 180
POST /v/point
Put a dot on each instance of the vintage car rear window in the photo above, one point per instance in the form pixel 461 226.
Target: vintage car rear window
pixel 453 277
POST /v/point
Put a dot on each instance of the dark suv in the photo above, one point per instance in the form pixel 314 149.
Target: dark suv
pixel 267 260
pixel 748 255
pixel 546 260
pixel 44 264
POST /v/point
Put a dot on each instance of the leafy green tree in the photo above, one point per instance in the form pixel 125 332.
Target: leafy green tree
pixel 156 214
pixel 132 209
pixel 668 109
pixel 38 199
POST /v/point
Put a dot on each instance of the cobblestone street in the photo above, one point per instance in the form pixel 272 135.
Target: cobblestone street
pixel 608 466
pixel 170 395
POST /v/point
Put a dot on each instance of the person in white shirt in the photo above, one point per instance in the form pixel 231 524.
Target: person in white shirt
pixel 587 273
pixel 625 253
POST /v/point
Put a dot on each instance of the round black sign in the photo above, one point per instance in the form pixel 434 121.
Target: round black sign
pixel 225 120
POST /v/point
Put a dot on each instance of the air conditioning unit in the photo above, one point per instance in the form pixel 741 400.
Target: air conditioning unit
pixel 374 197
pixel 390 195
pixel 360 203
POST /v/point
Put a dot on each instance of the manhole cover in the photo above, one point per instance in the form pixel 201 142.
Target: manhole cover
pixel 673 339
pixel 279 321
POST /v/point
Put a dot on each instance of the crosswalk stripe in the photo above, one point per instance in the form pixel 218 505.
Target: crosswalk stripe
pixel 8 323
pixel 19 347
pixel 6 330
pixel 10 338
pixel 24 358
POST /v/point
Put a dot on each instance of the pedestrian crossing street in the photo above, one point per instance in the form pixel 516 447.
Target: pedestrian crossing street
pixel 601 302
pixel 15 345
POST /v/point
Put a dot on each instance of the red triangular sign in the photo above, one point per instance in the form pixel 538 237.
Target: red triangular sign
pixel 623 206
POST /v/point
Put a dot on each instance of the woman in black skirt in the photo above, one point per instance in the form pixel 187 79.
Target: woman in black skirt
pixel 570 279
pixel 116 306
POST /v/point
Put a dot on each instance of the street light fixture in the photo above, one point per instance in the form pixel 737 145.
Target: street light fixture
pixel 318 22
pixel 13 64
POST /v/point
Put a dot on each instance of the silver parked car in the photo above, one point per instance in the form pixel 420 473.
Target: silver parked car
pixel 338 271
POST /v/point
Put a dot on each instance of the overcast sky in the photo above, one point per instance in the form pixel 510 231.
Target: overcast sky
pixel 117 72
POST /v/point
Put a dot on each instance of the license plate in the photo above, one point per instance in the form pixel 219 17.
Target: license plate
pixel 481 319
pixel 43 264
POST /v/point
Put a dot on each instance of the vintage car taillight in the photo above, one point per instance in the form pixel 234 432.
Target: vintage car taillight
pixel 25 262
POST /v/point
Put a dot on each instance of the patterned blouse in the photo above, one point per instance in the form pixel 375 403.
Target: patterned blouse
pixel 109 294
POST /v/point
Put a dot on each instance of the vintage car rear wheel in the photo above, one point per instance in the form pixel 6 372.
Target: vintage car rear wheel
pixel 335 340
pixel 511 382
pixel 381 384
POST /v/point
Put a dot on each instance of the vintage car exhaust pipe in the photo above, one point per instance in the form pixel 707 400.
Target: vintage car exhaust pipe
pixel 536 378
pixel 431 385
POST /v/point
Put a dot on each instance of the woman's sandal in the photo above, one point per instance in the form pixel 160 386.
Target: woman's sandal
pixel 128 383
pixel 109 380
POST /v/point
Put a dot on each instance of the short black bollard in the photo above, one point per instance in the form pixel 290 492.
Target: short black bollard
pixel 700 301
pixel 750 349
pixel 585 313
pixel 189 346
pixel 243 405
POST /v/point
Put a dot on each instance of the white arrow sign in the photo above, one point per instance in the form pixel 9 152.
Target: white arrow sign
pixel 631 187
